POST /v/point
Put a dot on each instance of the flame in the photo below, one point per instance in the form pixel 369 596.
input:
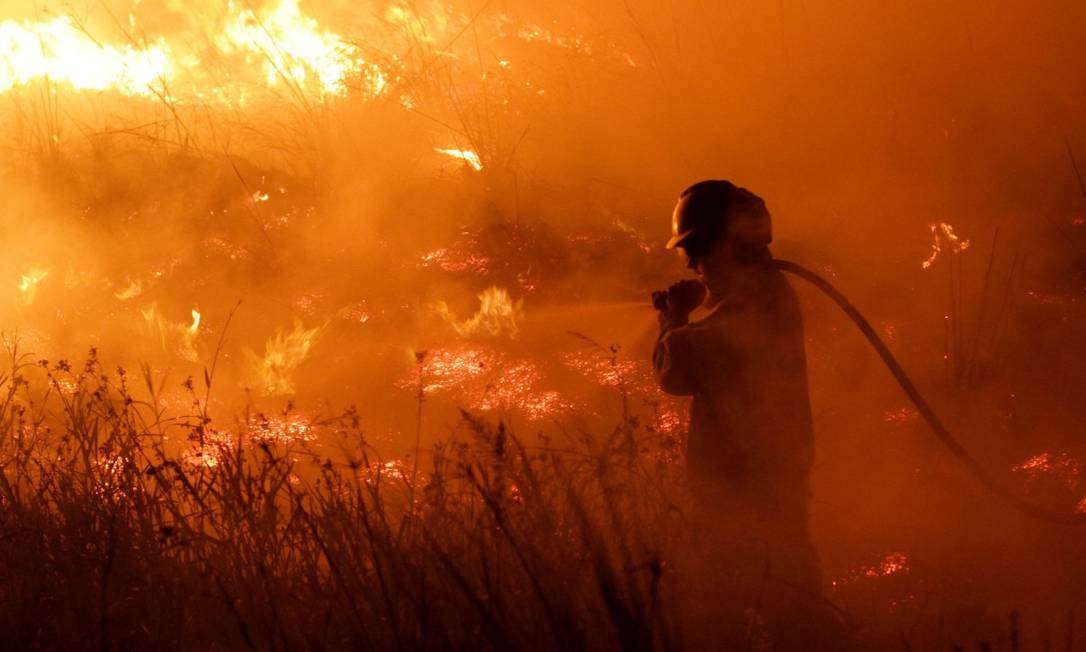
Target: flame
pixel 943 233
pixel 498 315
pixel 28 285
pixel 273 373
pixel 465 155
pixel 58 51
pixel 195 322
pixel 131 291
pixel 171 335
pixel 295 49
pixel 290 46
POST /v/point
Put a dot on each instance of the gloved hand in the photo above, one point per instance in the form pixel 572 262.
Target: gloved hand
pixel 678 301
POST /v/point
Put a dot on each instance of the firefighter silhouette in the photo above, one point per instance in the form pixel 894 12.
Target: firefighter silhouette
pixel 750 445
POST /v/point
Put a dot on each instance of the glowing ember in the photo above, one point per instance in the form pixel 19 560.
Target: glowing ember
pixel 1056 466
pixel 900 415
pixel 484 379
pixel 444 369
pixel 354 312
pixel 498 315
pixel 943 233
pixel 216 445
pixel 455 260
pixel 465 155
pixel 517 388
pixel 395 470
pixel 273 373
pixel 594 365
pixel 894 563
pixel 282 429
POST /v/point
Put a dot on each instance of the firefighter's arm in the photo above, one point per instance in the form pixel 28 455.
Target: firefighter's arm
pixel 674 357
pixel 675 360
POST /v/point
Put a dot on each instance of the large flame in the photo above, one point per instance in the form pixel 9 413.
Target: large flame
pixel 294 49
pixel 289 47
pixel 59 51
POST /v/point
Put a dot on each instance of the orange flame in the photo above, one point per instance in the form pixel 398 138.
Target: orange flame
pixel 498 315
pixel 272 374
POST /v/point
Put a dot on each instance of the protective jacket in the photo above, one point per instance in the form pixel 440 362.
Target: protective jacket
pixel 750 439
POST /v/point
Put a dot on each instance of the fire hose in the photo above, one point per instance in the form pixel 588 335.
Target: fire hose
pixel 925 410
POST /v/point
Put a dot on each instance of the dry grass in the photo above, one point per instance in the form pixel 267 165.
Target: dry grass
pixel 112 536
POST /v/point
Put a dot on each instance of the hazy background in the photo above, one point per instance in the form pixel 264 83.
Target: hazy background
pixel 334 221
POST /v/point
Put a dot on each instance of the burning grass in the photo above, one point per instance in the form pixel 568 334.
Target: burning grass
pixel 127 523
pixel 133 528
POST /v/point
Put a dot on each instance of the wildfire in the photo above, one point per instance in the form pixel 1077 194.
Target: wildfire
pixel 498 315
pixel 296 50
pixel 942 234
pixel 290 47
pixel 273 373
pixel 59 51
pixel 465 155
pixel 28 285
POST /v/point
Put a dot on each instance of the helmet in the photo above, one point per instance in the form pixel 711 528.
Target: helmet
pixel 710 209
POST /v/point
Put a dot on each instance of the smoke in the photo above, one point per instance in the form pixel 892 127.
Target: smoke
pixel 342 169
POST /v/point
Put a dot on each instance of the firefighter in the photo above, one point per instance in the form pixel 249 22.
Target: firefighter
pixel 750 445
